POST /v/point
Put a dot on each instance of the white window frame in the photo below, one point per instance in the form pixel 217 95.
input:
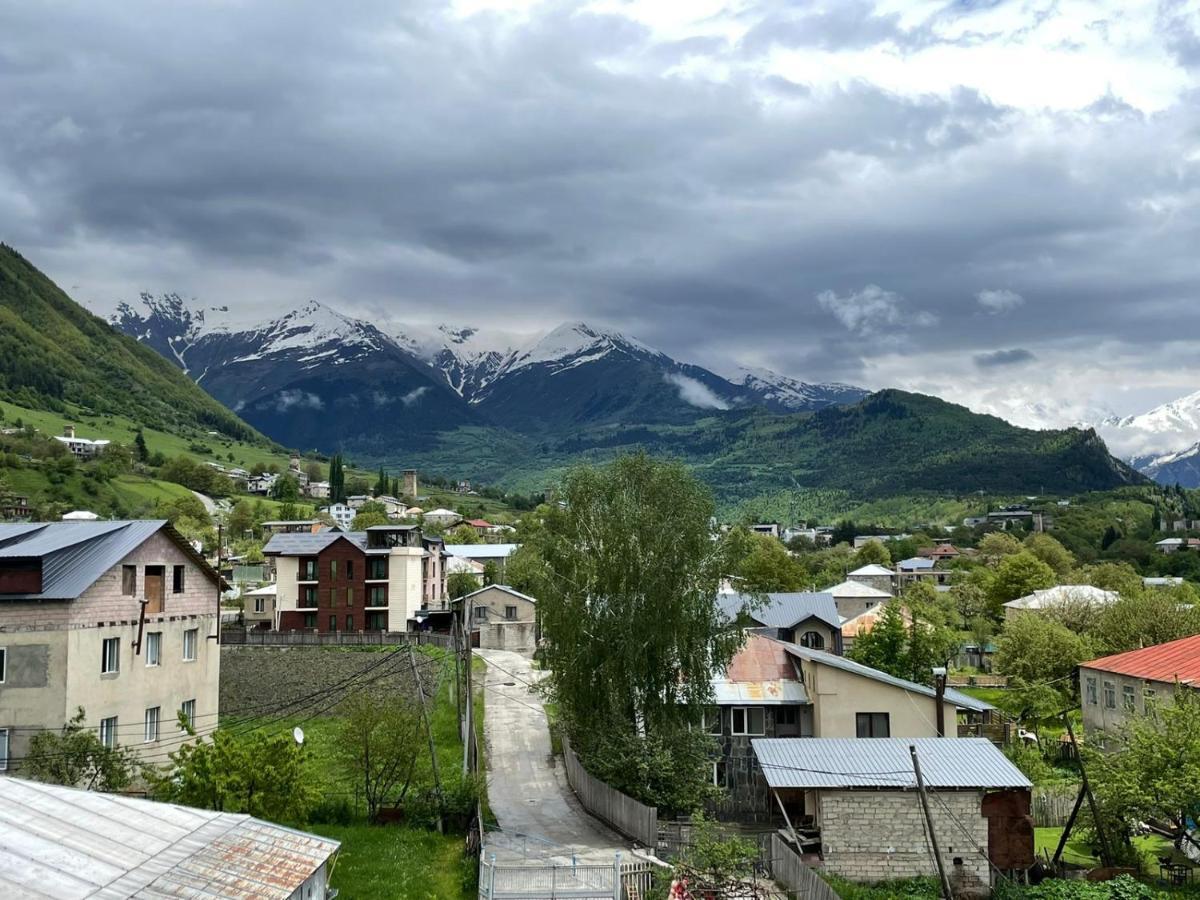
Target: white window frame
pixel 152 722
pixel 192 636
pixel 153 639
pixel 747 727
pixel 260 604
pixel 108 732
pixel 1092 697
pixel 4 749
pixel 1110 695
pixel 110 663
pixel 191 715
pixel 1128 698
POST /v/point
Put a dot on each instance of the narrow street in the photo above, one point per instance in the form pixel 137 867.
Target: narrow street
pixel 527 786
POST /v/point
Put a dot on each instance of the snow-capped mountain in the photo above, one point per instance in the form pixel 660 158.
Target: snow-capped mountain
pixel 1182 467
pixel 315 359
pixel 1163 430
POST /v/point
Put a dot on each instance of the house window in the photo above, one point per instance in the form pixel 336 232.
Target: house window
pixel 1110 695
pixel 189 644
pixel 349 596
pixel 310 620
pixel 153 648
pixel 332 622
pixel 128 580
pixel 872 725
pixel 308 570
pixel 480 613
pixel 349 569
pixel 1091 691
pixel 260 604
pixel 787 715
pixel 177 579
pixel 749 720
pixel 377 568
pixel 3 664
pixel 813 640
pixel 333 598
pixel 3 749
pixel 377 621
pixel 188 708
pixel 110 656
pixel 1149 698
pixel 1127 698
pixel 377 595
pixel 308 597
pixel 333 569
pixel 349 623
pixel 108 732
pixel 151 731
pixel 711 720
pixel 510 612
pixel 718 773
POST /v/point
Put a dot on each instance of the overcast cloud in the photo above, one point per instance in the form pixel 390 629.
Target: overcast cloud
pixel 995 202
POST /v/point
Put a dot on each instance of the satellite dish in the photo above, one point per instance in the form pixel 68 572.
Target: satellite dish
pixel 298 734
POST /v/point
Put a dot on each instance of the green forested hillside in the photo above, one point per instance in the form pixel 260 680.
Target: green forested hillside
pixel 55 355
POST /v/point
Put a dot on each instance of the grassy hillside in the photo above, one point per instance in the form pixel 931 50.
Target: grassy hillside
pixel 56 356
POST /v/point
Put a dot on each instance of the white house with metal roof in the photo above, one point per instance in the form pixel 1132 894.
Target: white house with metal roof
pixel 873 575
pixel 805 617
pixel 111 617
pixel 852 807
pixel 60 843
pixel 1061 597
pixel 853 598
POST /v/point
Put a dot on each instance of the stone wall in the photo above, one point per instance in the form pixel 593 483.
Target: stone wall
pixel 519 637
pixel 880 835
pixel 260 681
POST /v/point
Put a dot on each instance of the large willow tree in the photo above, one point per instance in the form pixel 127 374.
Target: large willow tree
pixel 630 568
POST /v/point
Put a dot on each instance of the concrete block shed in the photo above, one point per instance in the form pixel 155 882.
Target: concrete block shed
pixel 853 806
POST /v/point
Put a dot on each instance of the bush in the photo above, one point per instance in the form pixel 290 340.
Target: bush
pixel 333 811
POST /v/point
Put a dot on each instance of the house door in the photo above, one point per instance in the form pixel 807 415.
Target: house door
pixel 155 589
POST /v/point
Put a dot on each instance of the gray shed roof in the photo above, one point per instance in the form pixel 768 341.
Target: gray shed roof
pixel 958 698
pixel 75 554
pixel 886 763
pixel 63 843
pixel 784 610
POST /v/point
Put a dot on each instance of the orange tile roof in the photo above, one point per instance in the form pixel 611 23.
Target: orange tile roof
pixel 1173 661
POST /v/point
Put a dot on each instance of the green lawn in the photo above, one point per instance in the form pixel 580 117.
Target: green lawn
pixel 390 862
pixel 1151 846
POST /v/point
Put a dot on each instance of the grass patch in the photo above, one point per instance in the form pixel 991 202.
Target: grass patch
pixel 1077 852
pixel 391 862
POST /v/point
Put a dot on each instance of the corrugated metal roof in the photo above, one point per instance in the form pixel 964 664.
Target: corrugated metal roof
pixel 958 698
pixel 481 551
pixel 307 544
pixel 1173 661
pixel 783 610
pixel 758 693
pixel 498 587
pixel 834 763
pixel 857 589
pixel 1064 594
pixel 75 554
pixel 58 842
pixel 914 564
pixel 872 569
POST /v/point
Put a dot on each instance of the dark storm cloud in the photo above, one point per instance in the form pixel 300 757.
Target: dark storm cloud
pixel 394 158
pixel 1001 358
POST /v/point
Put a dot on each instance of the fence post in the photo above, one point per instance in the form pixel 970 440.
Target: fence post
pixel 492 879
pixel 617 876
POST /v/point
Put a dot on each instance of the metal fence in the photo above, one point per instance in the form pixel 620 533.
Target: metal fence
pixel 612 881
pixel 260 637
pixel 626 815
pixel 793 873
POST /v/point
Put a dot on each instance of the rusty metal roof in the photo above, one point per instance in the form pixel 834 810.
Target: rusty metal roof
pixel 1173 661
pixel 59 842
pixel 761 674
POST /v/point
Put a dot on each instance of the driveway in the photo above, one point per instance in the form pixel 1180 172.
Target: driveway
pixel 527 786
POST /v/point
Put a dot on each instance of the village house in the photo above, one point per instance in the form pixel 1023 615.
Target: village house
pixel 940 551
pixel 16 509
pixel 810 619
pixel 1113 688
pixel 853 809
pixel 81 448
pixel 770 529
pixel 292 526
pixel 1170 545
pixel 341 513
pixel 774 688
pixel 865 622
pixel 318 490
pixel 484 554
pixel 501 618
pixel 482 527
pixel 441 518
pixel 874 575
pixel 258 607
pixel 261 484
pixel 910 571
pixel 1062 597
pixel 62 843
pixel 373 580
pixel 113 617
pixel 854 598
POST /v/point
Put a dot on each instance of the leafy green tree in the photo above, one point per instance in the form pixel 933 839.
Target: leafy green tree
pixel 141 451
pixel 459 584
pixel 286 489
pixel 240 519
pixel 1019 575
pixel 75 757
pixel 630 549
pixel 765 564
pixel 337 479
pixel 491 572
pixel 872 553
pixel 1111 536
pixel 379 742
pixel 996 545
pixel 1052 553
pixel 1038 650
pixel 1110 576
pixel 463 534
pixel 911 650
pixel 1147 617
pixel 266 775
pixel 885 647
pixel 367 518
pixel 382 483
pixel 844 532
pixel 185 507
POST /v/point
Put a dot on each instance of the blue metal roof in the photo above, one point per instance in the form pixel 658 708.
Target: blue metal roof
pixel 958 698
pixel 783 610
pixel 833 763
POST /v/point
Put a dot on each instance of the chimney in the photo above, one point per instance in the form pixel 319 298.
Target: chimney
pixel 69 431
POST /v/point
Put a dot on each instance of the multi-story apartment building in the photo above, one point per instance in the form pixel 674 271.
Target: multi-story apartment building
pixel 380 579
pixel 113 617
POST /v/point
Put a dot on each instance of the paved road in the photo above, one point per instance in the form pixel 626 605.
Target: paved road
pixel 527 785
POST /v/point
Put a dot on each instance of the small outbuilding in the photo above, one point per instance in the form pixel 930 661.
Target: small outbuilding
pixel 501 618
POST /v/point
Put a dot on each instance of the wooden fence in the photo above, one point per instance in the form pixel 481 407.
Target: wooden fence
pixel 260 637
pixel 1051 807
pixel 790 870
pixel 626 815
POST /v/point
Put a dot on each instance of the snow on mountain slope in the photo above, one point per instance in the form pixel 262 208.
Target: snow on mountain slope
pixel 574 343
pixel 1165 429
pixel 791 393
pixel 1181 467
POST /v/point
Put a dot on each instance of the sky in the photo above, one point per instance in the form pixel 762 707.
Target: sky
pixel 995 202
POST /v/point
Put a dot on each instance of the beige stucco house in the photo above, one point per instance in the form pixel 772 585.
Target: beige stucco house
pixel 1113 688
pixel 113 617
pixel 501 618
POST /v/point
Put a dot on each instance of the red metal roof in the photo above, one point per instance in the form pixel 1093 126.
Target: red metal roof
pixel 761 659
pixel 1173 661
pixel 479 523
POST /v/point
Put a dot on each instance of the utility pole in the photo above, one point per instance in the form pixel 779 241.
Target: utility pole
pixel 433 760
pixel 939 684
pixel 947 894
pixel 1106 856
